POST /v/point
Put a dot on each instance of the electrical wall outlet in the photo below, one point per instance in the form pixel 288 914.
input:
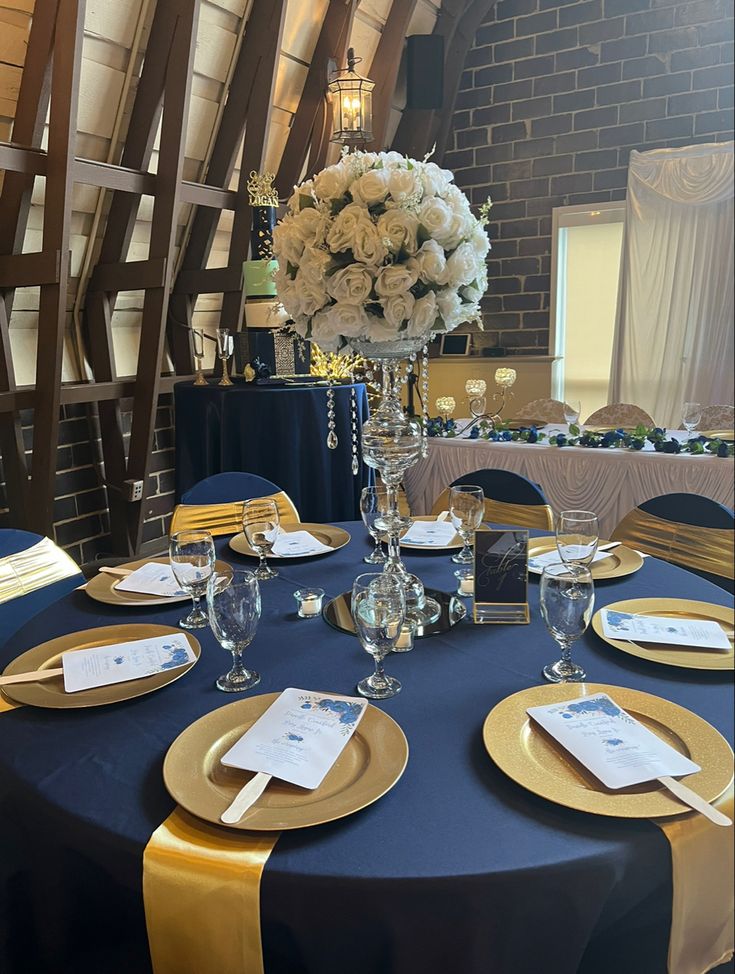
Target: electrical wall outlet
pixel 133 490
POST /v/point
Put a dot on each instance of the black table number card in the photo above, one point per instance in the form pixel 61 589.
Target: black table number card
pixel 501 576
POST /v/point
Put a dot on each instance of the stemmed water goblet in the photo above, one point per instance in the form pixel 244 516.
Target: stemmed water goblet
pixel 467 509
pixel 261 524
pixel 572 410
pixel 691 414
pixel 567 597
pixel 373 503
pixel 378 609
pixel 233 602
pixel 192 559
pixel 225 348
pixel 577 537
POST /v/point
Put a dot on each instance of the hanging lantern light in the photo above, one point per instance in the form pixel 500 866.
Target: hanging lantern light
pixel 352 105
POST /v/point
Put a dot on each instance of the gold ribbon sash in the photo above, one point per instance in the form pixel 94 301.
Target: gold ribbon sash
pixel 705 549
pixel 501 512
pixel 221 519
pixel 38 566
pixel 201 890
pixel 702 910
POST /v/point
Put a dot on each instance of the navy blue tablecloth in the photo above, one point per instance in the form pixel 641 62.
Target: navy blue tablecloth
pixel 456 869
pixel 277 432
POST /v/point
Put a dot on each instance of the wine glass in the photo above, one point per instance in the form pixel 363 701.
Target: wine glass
pixel 373 503
pixel 572 409
pixel 467 509
pixel 691 414
pixel 225 348
pixel 192 559
pixel 567 596
pixel 261 524
pixel 379 611
pixel 577 536
pixel 233 602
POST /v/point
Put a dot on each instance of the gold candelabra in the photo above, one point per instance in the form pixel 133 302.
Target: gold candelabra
pixel 475 388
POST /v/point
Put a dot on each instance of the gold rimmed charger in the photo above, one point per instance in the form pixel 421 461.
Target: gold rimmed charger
pixel 620 561
pixel 103 587
pixel 369 766
pixel 533 759
pixel 692 659
pixel 715 434
pixel 47 656
pixel 329 534
pixel 455 543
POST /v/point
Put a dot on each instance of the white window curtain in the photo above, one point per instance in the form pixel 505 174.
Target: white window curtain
pixel 674 328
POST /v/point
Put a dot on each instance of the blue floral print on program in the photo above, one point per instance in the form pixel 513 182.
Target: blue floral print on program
pixel 348 712
pixel 177 657
pixel 600 705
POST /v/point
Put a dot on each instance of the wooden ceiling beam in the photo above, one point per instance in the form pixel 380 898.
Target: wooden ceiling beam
pixel 386 65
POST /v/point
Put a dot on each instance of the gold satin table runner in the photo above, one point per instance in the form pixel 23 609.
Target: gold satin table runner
pixel 201 890
pixel 702 934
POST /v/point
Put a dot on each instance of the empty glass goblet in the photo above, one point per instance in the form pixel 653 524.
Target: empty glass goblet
pixel 225 348
pixel 192 559
pixel 577 536
pixel 261 524
pixel 467 509
pixel 567 597
pixel 691 414
pixel 572 409
pixel 373 503
pixel 233 602
pixel 379 611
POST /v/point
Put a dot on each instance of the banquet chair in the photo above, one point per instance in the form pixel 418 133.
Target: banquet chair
pixel 548 410
pixel 718 417
pixel 689 530
pixel 215 504
pixel 619 414
pixel 509 499
pixel 34 572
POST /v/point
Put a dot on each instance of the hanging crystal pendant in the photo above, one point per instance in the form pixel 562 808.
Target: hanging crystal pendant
pixel 353 417
pixel 425 402
pixel 332 440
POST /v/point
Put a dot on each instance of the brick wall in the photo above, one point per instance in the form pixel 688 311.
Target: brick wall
pixel 81 523
pixel 553 98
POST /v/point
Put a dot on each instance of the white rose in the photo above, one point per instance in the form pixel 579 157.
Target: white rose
pixel 403 184
pixel 310 225
pixel 367 244
pixel 401 228
pixel 314 264
pixel 351 320
pixel 479 242
pixel 328 325
pixel 424 316
pixel 331 183
pixel 311 295
pixel 342 232
pixel 430 263
pixel 288 245
pixel 462 266
pixel 398 308
pixel 287 293
pixel 351 285
pixel 305 189
pixel 436 181
pixel 450 307
pixel 392 158
pixel 380 329
pixel 395 279
pixel 436 218
pixel 370 188
pixel 471 295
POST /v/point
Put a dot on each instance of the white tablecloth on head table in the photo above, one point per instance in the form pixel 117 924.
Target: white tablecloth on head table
pixel 609 482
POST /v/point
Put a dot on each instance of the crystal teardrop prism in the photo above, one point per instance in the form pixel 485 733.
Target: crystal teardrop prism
pixel 332 441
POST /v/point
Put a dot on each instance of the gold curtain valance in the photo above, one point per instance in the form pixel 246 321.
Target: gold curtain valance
pixel 38 566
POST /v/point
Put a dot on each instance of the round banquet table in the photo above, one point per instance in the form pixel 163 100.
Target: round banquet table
pixel 455 869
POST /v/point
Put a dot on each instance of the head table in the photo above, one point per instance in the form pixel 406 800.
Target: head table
pixel 455 869
pixel 607 481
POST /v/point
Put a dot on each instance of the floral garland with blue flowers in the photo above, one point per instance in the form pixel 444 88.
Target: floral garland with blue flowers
pixel 610 440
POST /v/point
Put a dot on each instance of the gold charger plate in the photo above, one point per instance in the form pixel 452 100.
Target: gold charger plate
pixel 622 560
pixel 533 759
pixel 50 693
pixel 103 587
pixel 371 763
pixel 718 434
pixel 454 544
pixel 328 534
pixel 691 659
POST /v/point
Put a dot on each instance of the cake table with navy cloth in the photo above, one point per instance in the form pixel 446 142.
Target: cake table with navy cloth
pixel 278 432
pixel 455 869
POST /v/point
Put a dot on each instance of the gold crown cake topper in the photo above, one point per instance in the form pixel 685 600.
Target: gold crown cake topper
pixel 261 189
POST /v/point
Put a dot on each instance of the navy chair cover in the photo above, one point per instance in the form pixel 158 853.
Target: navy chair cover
pixel 226 488
pixel 504 486
pixel 694 509
pixel 17 612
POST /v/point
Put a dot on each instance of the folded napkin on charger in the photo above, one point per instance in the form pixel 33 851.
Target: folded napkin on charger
pixel 291 544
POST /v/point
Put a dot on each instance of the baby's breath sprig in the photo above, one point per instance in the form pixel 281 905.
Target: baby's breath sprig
pixel 485 212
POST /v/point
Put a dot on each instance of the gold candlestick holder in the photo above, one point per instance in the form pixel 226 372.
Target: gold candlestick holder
pixel 198 348
pixel 504 379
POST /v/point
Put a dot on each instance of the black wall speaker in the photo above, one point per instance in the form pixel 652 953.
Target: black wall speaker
pixel 424 71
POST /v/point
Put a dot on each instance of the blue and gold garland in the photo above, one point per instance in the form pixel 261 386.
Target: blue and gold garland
pixel 617 439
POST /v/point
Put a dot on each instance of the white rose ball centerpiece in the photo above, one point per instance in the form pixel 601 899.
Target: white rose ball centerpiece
pixel 380 249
